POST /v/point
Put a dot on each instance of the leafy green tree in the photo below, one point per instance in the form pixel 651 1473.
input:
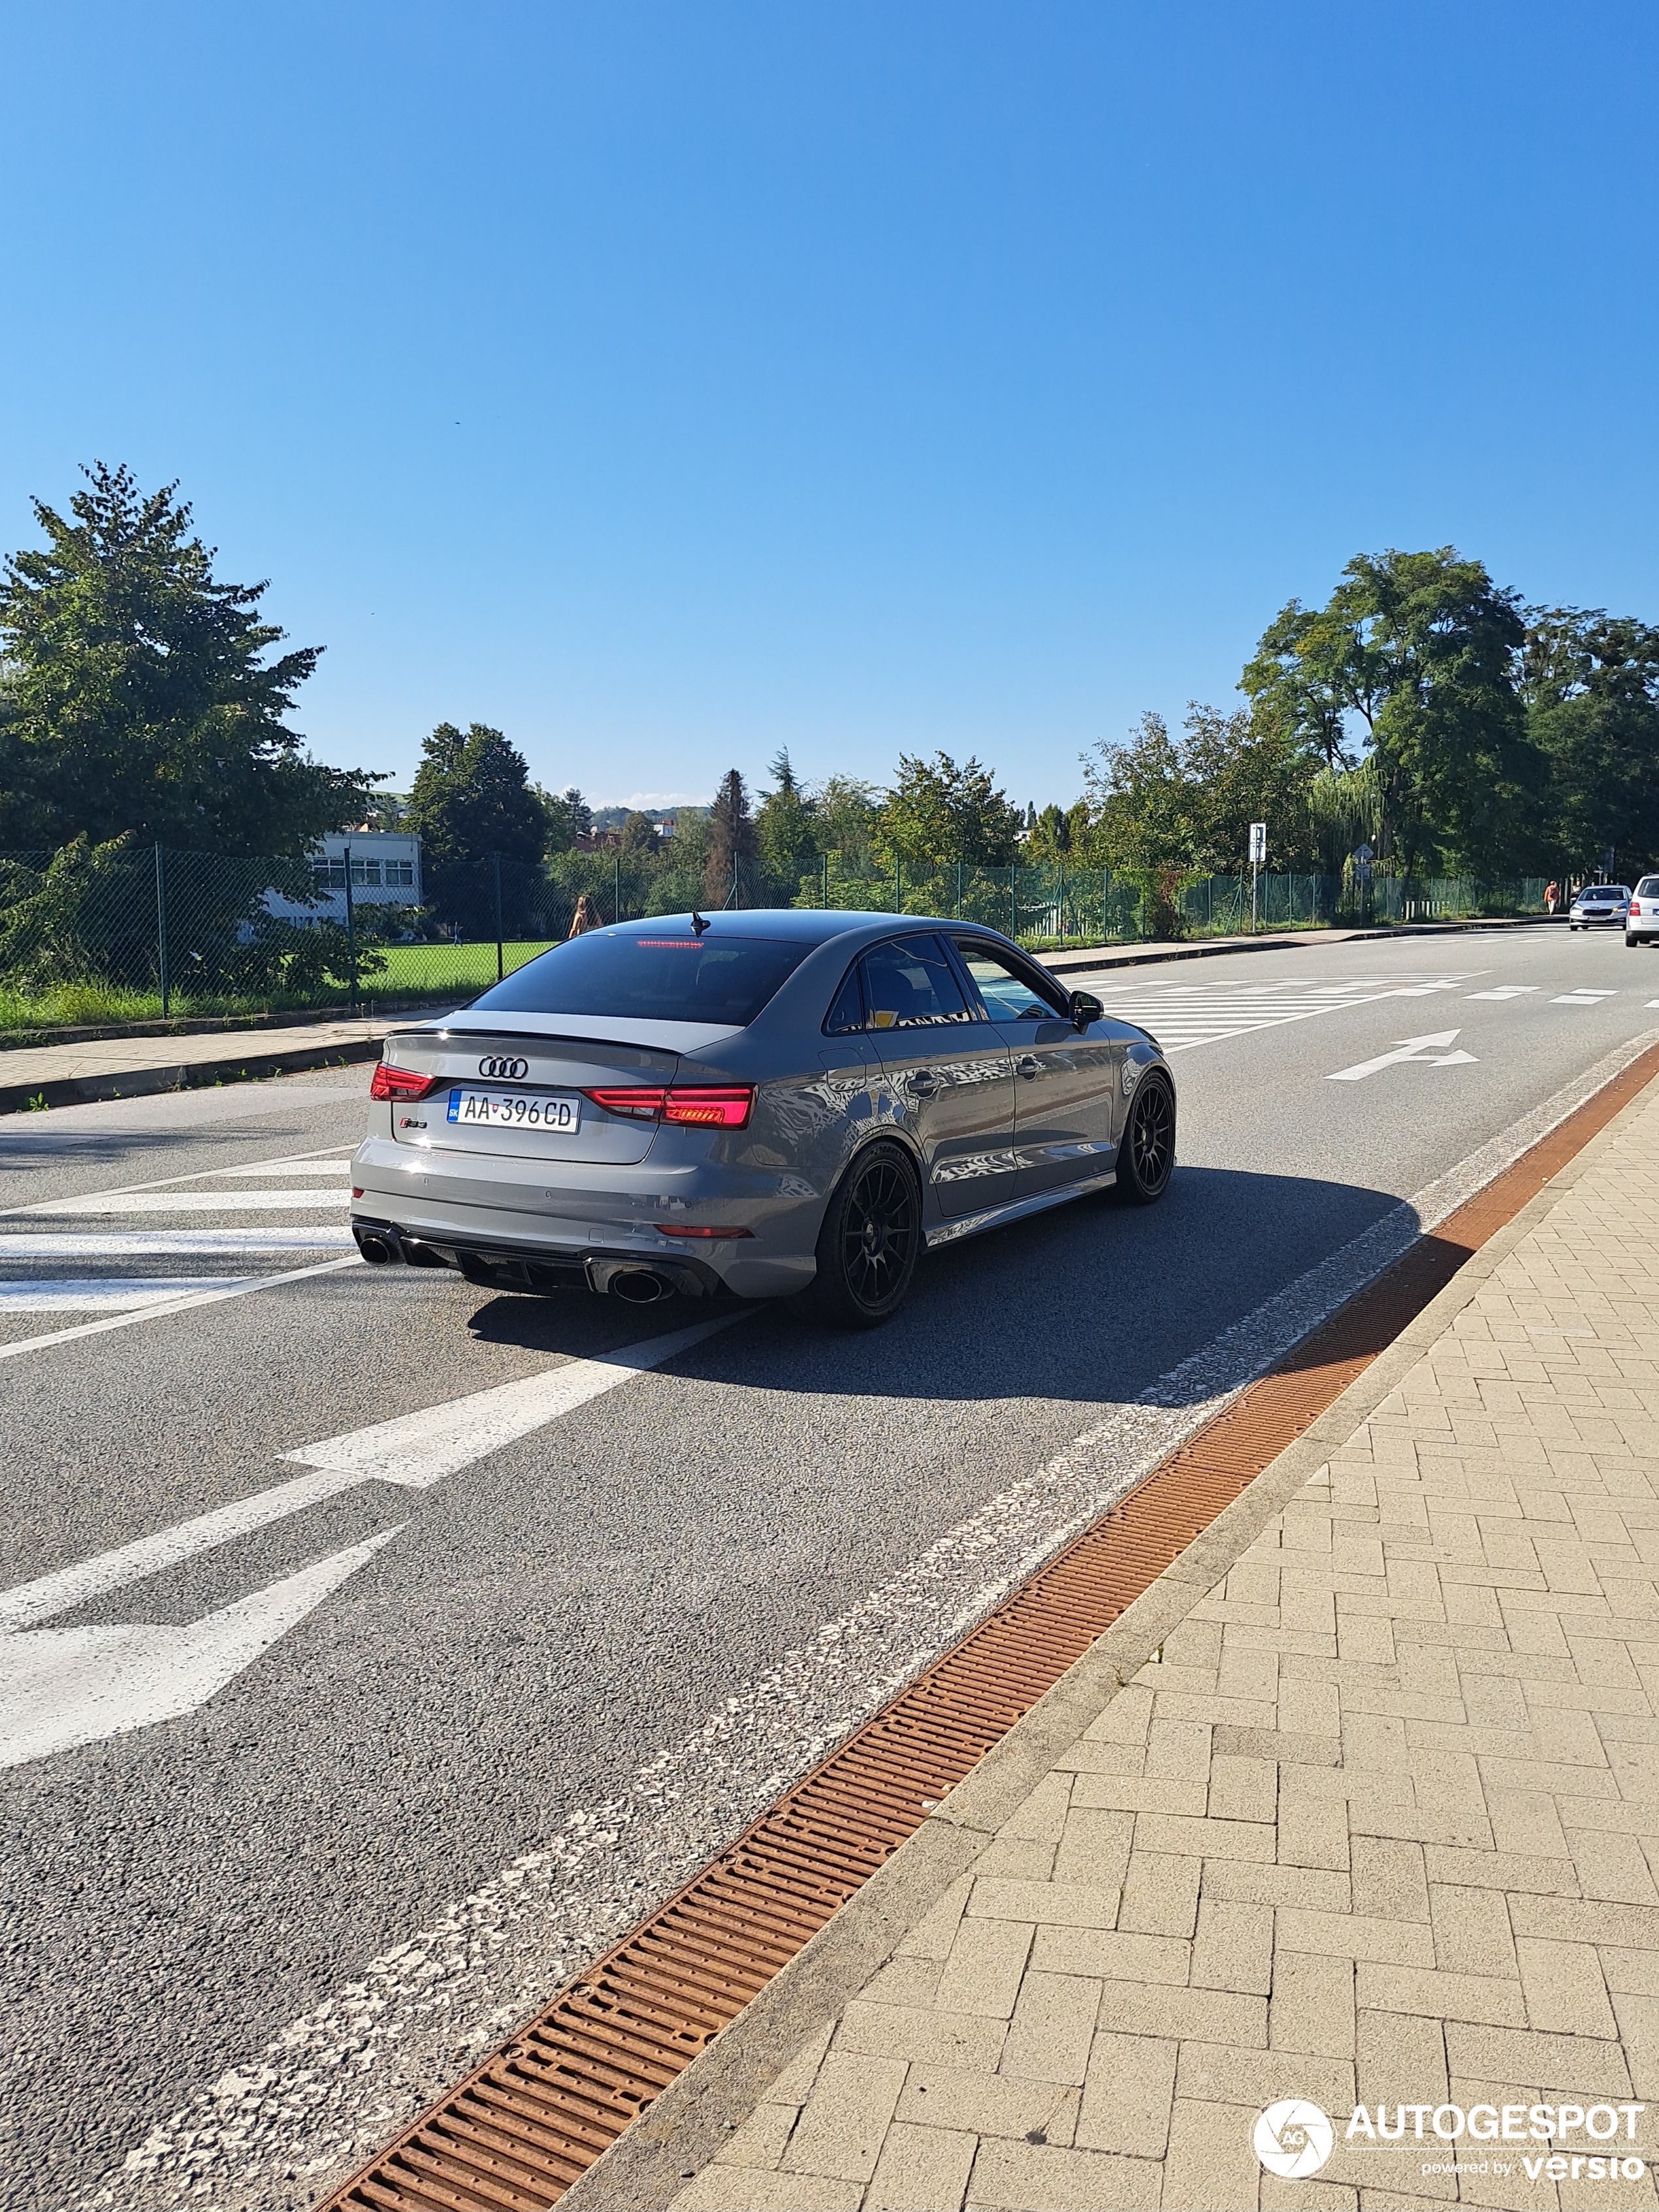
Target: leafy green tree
pixel 731 842
pixel 1142 801
pixel 1590 686
pixel 472 797
pixel 639 833
pixel 937 811
pixel 567 816
pixel 1243 768
pixel 1423 649
pixel 785 829
pixel 1057 834
pixel 140 697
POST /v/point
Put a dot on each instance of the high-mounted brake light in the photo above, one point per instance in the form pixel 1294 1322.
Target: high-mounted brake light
pixel 700 1105
pixel 390 1082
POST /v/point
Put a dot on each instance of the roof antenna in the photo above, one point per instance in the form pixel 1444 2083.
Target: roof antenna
pixel 700 921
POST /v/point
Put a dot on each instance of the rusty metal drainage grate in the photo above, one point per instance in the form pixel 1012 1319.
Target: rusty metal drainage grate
pixel 515 2135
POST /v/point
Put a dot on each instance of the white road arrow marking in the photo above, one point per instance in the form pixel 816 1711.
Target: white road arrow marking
pixel 63 1687
pixel 1420 1049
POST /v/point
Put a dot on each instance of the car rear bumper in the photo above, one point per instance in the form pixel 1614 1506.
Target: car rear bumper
pixel 463 1213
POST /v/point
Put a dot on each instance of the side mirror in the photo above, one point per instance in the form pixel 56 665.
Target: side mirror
pixel 1086 1008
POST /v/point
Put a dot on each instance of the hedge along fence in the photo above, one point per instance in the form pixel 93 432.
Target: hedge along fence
pixel 119 933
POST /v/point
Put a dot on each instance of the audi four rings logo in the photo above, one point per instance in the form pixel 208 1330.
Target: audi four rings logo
pixel 511 1070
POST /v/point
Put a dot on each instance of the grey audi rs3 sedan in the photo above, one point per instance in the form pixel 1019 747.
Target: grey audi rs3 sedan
pixel 768 1103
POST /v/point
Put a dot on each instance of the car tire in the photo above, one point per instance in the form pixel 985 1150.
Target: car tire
pixel 1146 1158
pixel 870 1241
pixel 1631 942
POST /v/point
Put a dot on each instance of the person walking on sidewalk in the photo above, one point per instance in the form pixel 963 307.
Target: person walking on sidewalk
pixel 1552 894
pixel 587 916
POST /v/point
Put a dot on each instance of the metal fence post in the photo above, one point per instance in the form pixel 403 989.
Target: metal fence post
pixel 958 890
pixel 351 927
pixel 500 959
pixel 162 925
pixel 616 887
pixel 1013 904
pixel 826 883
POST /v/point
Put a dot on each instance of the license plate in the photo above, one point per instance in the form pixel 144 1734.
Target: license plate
pixel 560 1112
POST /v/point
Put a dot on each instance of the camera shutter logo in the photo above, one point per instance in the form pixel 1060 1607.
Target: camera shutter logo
pixel 1293 2138
pixel 512 1070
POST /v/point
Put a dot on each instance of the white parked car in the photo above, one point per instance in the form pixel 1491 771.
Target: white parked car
pixel 1600 902
pixel 1642 921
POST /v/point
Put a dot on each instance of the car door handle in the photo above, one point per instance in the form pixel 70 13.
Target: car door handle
pixel 1028 1066
pixel 924 1083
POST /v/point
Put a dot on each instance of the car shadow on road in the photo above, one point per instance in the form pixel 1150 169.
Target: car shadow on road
pixel 1091 1302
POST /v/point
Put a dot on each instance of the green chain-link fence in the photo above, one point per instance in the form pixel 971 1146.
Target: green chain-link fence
pixel 118 934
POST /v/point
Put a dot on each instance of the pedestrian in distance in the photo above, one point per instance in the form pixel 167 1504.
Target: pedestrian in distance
pixel 587 916
pixel 1551 896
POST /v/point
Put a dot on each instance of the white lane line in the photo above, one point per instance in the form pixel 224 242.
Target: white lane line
pixel 297 1161
pixel 242 1288
pixel 63 1687
pixel 138 1243
pixel 1583 998
pixel 135 1562
pixel 185 1201
pixel 83 1293
pixel 414 1450
pixel 1509 991
pixel 417 1449
pixel 291 1167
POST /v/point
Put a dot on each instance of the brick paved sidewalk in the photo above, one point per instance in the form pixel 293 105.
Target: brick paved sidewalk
pixel 1381 1824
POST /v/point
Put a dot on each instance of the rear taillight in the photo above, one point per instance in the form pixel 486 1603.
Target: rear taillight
pixel 643 1102
pixel 1636 905
pixel 701 1105
pixel 669 1228
pixel 709 1107
pixel 390 1082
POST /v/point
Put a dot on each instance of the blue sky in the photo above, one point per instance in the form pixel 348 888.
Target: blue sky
pixel 665 385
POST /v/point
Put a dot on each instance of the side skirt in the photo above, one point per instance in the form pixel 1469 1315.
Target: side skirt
pixel 971 1224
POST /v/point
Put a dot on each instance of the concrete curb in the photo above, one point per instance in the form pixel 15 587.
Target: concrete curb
pixel 184 1075
pixel 679 2134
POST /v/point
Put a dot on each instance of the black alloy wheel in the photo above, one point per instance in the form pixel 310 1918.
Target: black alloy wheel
pixel 1146 1158
pixel 870 1241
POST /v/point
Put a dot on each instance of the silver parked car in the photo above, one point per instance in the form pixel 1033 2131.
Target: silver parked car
pixel 767 1104
pixel 1600 902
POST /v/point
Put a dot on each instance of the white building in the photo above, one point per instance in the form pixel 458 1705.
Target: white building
pixel 385 871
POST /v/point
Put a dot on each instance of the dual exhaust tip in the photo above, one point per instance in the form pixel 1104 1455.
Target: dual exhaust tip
pixel 635 1285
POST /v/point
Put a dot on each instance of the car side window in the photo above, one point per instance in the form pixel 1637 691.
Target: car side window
pixel 1008 995
pixel 908 984
pixel 847 1008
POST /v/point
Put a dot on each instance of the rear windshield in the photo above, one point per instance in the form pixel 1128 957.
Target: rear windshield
pixel 1648 888
pixel 675 977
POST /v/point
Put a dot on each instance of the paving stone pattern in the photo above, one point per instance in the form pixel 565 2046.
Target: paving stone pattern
pixel 1381 1823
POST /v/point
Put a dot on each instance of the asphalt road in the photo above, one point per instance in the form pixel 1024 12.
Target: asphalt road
pixel 305 1807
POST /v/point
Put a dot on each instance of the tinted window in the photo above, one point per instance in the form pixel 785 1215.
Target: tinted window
pixel 911 983
pixel 671 978
pixel 847 1013
pixel 1648 888
pixel 1008 994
